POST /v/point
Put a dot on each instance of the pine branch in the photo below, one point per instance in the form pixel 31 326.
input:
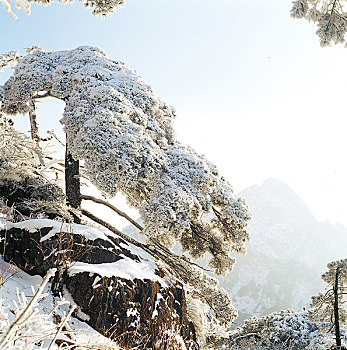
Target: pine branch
pixel 155 249
pixel 112 207
pixel 136 224
pixel 322 301
pixel 46 94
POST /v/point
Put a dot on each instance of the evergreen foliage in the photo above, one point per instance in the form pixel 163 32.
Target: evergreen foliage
pixel 23 180
pixel 329 15
pixel 329 307
pixel 100 7
pixel 280 330
pixel 124 133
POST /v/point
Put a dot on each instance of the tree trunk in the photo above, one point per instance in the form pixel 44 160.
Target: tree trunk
pixel 34 129
pixel 72 182
pixel 336 309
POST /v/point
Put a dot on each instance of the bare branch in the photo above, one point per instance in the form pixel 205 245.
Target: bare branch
pixel 46 94
pixel 112 207
pixel 155 249
pixel 51 132
pixel 67 317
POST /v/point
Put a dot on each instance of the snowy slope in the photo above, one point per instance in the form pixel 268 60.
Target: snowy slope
pixel 117 288
pixel 16 282
pixel 288 251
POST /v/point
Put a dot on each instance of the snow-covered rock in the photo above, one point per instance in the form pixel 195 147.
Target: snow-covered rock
pixel 18 292
pixel 119 289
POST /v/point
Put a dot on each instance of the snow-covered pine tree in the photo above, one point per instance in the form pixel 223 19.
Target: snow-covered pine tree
pixel 125 136
pixel 284 330
pixel 329 15
pixel 72 175
pixel 23 180
pixel 329 307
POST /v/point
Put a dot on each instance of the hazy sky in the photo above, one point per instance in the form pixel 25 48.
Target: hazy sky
pixel 253 89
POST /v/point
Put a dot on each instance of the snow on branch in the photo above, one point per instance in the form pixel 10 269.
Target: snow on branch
pixel 100 7
pixel 124 133
pixel 24 5
pixel 19 156
pixel 7 58
pixel 280 330
pixel 329 15
pixel 36 326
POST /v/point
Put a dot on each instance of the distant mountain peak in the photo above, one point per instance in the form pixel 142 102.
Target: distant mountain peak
pixel 273 182
pixel 276 197
pixel 286 255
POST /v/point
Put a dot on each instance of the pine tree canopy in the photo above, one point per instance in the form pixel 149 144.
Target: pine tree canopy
pixel 125 135
pixel 329 15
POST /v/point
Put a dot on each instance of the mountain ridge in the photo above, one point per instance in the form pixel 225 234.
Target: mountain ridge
pixel 287 253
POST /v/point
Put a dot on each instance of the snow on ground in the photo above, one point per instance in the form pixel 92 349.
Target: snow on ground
pixel 89 232
pixel 124 268
pixel 17 286
pixel 18 282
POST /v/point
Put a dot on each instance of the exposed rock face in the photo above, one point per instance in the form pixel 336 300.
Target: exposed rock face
pixel 141 312
pixel 125 295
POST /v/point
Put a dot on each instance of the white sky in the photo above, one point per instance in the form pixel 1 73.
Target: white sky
pixel 253 89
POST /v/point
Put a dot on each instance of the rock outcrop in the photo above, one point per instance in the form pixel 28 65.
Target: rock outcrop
pixel 119 289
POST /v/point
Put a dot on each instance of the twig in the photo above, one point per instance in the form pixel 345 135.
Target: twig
pixel 155 249
pixel 51 132
pixel 27 311
pixel 72 309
